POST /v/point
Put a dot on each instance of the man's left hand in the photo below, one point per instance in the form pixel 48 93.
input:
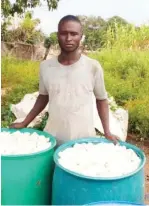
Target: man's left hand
pixel 112 137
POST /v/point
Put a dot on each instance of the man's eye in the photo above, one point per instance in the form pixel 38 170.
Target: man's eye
pixel 73 34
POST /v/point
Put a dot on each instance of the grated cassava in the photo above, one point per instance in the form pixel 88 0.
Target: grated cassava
pixel 99 160
pixel 22 143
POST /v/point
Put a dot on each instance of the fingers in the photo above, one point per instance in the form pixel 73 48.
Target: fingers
pixel 113 138
pixel 14 125
pixel 117 137
pixel 11 126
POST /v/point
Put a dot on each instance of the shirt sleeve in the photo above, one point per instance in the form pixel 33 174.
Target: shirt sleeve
pixel 42 87
pixel 99 85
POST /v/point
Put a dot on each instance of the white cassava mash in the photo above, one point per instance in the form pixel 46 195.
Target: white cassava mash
pixel 99 160
pixel 22 143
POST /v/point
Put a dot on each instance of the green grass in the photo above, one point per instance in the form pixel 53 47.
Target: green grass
pixel 18 72
pixel 19 77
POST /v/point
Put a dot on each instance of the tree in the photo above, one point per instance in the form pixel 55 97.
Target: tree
pixel 119 20
pixel 4 27
pixel 93 31
pixel 115 21
pixel 113 27
pixel 47 45
pixel 26 31
pixel 96 28
pixel 91 22
pixel 94 39
pixel 53 38
pixel 50 41
pixel 20 6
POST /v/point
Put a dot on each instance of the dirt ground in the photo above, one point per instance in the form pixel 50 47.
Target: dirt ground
pixel 145 147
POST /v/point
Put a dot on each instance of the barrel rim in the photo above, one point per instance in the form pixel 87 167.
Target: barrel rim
pixel 32 155
pixel 100 139
pixel 118 203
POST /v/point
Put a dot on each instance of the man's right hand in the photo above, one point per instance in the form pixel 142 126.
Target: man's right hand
pixel 18 125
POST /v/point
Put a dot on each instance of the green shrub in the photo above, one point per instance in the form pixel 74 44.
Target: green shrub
pixel 127 80
pixel 139 118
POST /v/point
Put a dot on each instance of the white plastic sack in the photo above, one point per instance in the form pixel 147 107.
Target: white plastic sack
pixel 22 109
pixel 118 120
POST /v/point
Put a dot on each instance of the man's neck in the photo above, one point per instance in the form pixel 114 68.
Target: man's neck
pixel 69 58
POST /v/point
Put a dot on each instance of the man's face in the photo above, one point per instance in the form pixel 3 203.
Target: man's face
pixel 69 35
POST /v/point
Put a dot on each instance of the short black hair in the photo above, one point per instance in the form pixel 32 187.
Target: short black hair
pixel 69 18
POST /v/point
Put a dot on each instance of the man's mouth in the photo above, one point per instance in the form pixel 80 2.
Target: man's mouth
pixel 69 45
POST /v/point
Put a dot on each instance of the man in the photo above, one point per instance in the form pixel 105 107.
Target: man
pixel 68 82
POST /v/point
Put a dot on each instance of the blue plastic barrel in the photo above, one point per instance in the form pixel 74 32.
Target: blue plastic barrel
pixel 114 204
pixel 70 188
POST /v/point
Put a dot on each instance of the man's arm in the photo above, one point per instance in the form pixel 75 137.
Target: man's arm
pixel 103 111
pixel 101 100
pixel 39 105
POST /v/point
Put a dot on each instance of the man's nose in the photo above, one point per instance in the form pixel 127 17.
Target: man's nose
pixel 69 38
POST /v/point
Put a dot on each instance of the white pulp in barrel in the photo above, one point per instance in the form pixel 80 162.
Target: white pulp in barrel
pixel 99 160
pixel 22 143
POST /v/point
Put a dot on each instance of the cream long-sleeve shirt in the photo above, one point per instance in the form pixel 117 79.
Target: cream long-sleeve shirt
pixel 70 89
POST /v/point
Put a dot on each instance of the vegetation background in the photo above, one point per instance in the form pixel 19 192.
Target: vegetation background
pixel 120 47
